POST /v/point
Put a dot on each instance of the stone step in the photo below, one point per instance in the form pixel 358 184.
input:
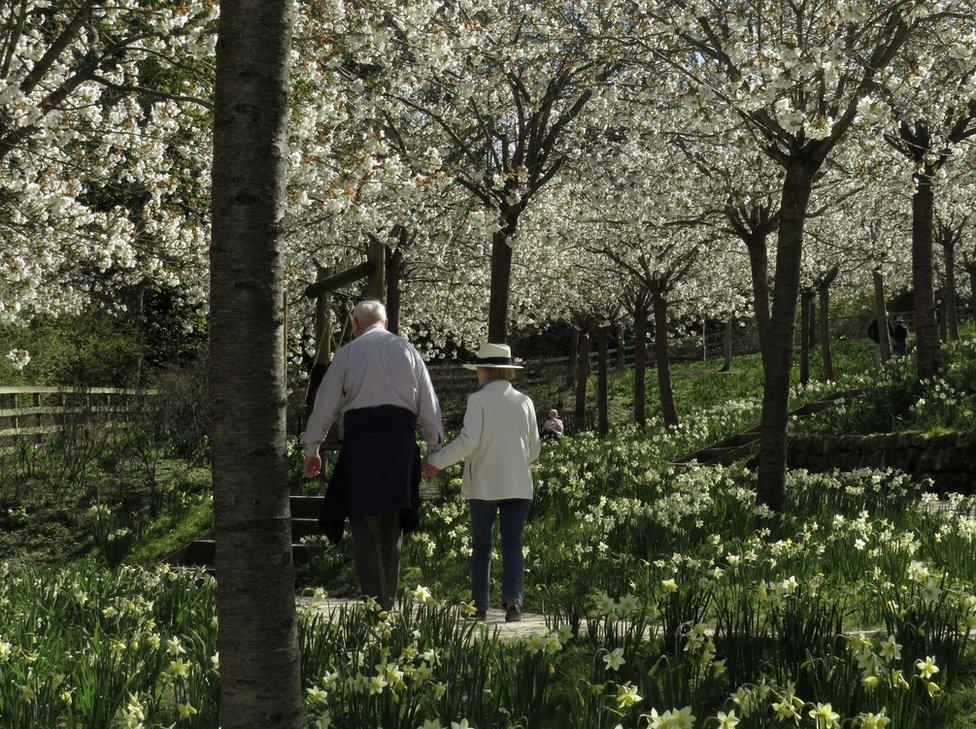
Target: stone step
pixel 306 507
pixel 305 511
pixel 304 528
pixel 201 553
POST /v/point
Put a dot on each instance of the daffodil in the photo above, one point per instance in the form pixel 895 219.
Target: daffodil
pixel 874 721
pixel 316 695
pixel 614 659
pixel 727 721
pixel 824 717
pixel 376 684
pixel 890 649
pixel 927 668
pixel 627 696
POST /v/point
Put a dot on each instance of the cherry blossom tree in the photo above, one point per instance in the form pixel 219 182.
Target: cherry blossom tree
pixel 796 75
pixel 934 110
pixel 508 104
pixel 103 132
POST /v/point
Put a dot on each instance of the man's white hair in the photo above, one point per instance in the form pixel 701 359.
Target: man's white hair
pixel 368 312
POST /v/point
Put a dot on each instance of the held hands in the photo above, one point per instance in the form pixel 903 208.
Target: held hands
pixel 313 466
pixel 428 470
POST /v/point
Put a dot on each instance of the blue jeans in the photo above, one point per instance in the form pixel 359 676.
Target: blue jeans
pixel 513 514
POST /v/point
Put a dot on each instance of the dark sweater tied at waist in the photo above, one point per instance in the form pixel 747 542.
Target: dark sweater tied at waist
pixel 377 470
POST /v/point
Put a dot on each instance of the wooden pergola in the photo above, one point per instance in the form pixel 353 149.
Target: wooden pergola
pixel 373 269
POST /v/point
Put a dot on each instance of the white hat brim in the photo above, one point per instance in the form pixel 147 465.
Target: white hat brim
pixel 476 367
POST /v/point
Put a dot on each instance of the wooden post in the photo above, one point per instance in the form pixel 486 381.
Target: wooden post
pixel 602 400
pixel 36 402
pixel 582 376
pixel 574 346
pixel 376 280
pixel 727 345
pixel 323 329
pixel 884 343
pixel 621 353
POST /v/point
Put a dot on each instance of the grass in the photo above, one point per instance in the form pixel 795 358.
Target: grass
pixel 702 386
pixel 170 531
pixel 900 403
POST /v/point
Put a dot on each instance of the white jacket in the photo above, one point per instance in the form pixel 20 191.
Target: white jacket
pixel 498 443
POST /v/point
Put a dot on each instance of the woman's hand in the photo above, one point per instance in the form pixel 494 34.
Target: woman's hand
pixel 428 470
pixel 313 466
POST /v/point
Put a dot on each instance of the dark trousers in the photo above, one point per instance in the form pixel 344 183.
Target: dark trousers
pixel 377 539
pixel 513 513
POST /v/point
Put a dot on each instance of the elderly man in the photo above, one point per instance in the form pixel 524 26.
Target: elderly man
pixel 381 386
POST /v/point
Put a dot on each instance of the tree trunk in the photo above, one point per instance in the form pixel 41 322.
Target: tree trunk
pixel 602 365
pixel 582 376
pixel 260 683
pixel 139 309
pixel 881 315
pixel 806 307
pixel 663 360
pixel 812 328
pixel 501 275
pixel 284 339
pixel 759 268
pixel 940 313
pixel 949 300
pixel 376 280
pixel 394 274
pixel 928 349
pixel 727 345
pixel 621 354
pixel 640 366
pixel 823 295
pixel 574 345
pixel 778 346
pixel 971 270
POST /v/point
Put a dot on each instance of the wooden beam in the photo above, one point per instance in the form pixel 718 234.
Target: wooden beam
pixel 338 280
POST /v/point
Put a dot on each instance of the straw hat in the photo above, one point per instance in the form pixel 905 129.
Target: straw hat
pixel 494 356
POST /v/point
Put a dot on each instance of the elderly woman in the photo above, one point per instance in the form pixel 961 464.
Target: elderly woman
pixel 553 428
pixel 498 443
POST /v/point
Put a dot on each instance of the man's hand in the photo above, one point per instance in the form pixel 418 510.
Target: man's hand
pixel 428 470
pixel 313 466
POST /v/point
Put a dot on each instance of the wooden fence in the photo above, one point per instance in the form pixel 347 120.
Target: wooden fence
pixel 35 413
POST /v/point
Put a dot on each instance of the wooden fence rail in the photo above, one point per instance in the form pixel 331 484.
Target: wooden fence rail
pixel 36 412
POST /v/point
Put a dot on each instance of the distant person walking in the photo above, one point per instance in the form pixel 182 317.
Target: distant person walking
pixel 498 443
pixel 382 387
pixel 899 338
pixel 553 428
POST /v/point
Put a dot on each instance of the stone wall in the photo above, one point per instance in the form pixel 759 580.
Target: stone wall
pixel 949 460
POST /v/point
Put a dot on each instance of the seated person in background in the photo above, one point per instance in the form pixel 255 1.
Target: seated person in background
pixel 553 428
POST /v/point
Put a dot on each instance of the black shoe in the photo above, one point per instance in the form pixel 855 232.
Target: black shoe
pixel 479 616
pixel 513 613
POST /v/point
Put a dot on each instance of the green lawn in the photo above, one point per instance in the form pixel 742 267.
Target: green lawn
pixel 702 385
